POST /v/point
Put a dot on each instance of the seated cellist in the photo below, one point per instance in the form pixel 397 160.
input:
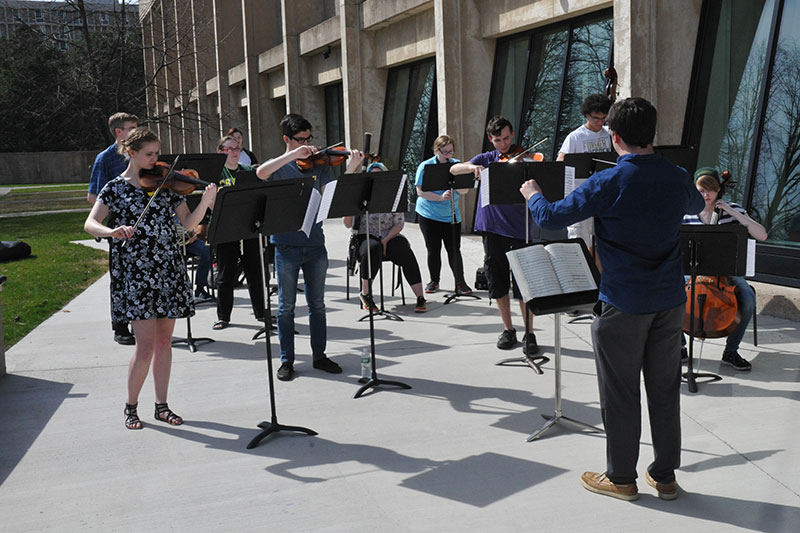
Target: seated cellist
pixel 718 211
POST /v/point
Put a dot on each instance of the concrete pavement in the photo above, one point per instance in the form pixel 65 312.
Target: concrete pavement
pixel 450 454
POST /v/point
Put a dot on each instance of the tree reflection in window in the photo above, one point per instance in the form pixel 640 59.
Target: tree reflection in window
pixel 409 122
pixel 776 196
pixel 566 63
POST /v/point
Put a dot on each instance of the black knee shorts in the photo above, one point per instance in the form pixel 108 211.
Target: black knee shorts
pixel 495 262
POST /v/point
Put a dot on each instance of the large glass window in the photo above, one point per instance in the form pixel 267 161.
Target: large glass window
pixel 334 118
pixel 409 119
pixel 542 76
pixel 744 114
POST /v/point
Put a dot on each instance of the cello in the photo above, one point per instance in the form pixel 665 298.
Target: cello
pixel 716 308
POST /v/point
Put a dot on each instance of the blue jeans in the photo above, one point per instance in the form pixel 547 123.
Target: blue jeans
pixel 313 260
pixel 747 304
pixel 201 250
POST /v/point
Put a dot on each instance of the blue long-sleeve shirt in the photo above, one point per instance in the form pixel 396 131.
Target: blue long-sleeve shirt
pixel 107 165
pixel 638 207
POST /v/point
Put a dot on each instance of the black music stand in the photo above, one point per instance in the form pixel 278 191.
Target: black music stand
pixel 682 156
pixel 437 177
pixel 248 212
pixel 208 166
pixel 191 342
pixel 249 179
pixel 360 194
pixel 192 201
pixel 709 250
pixel 505 180
pixel 586 164
pixel 556 305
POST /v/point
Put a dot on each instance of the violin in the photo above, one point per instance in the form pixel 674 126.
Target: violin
pixel 716 308
pixel 518 153
pixel 160 177
pixel 333 156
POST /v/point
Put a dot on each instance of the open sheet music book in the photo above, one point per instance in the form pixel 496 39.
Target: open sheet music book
pixel 544 270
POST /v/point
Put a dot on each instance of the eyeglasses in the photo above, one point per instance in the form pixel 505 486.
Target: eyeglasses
pixel 304 139
pixel 447 152
pixel 234 149
pixel 596 119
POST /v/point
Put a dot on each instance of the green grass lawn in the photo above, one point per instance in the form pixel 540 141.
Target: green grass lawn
pixel 56 272
pixel 44 198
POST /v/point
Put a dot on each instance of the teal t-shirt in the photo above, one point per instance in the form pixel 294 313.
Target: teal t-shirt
pixel 439 211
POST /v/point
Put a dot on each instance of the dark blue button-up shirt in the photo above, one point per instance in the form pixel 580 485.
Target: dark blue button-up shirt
pixel 638 207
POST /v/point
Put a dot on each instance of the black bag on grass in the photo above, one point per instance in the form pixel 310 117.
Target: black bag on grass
pixel 10 250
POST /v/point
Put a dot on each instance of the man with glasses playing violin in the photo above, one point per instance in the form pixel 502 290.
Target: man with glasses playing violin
pixel 295 251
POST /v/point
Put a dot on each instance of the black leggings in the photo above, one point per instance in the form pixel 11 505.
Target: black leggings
pixel 398 251
pixel 435 233
pixel 228 263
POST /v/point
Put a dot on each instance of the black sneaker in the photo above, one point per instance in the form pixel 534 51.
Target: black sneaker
pixel 327 365
pixel 684 354
pixel 286 372
pixel 421 306
pixel 432 287
pixel 507 339
pixel 125 339
pixel 529 344
pixel 201 295
pixel 368 303
pixel 463 288
pixel 736 361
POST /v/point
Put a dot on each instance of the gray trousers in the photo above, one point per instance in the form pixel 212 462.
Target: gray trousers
pixel 626 346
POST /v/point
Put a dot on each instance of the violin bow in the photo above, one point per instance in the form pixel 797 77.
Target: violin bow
pixel 155 193
pixel 526 150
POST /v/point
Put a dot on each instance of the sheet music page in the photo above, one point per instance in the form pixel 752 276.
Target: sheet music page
pixel 751 258
pixel 325 203
pixel 571 268
pixel 484 187
pixel 534 273
pixel 399 193
pixel 311 211
pixel 569 180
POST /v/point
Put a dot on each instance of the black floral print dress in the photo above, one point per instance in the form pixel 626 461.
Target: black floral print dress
pixel 149 277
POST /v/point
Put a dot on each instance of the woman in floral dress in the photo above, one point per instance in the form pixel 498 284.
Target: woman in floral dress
pixel 151 287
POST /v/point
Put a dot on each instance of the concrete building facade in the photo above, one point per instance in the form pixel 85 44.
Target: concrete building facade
pixel 408 70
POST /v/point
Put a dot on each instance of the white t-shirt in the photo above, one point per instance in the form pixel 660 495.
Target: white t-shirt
pixel 583 140
pixel 580 141
pixel 244 159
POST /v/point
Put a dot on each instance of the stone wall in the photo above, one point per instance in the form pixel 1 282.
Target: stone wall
pixel 46 167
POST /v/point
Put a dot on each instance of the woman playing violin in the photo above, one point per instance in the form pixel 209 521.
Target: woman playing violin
pixel 718 211
pixel 150 287
pixel 229 253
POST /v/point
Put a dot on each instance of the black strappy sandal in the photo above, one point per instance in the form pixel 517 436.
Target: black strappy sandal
pixel 165 414
pixel 132 417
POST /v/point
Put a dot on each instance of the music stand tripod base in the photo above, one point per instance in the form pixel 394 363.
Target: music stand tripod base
pixel 192 343
pixel 375 382
pixel 558 417
pixel 388 315
pixel 273 427
pixel 533 361
pixel 452 297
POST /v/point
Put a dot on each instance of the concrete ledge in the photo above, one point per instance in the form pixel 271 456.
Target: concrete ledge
pixel 777 301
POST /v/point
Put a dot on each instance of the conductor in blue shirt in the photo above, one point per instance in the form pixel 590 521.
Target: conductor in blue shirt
pixel 638 206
